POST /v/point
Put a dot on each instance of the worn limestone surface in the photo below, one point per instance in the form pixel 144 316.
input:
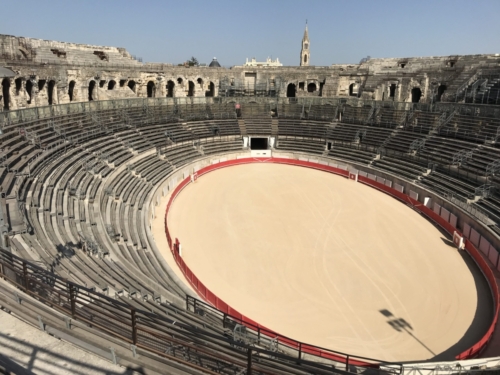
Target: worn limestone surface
pixel 50 72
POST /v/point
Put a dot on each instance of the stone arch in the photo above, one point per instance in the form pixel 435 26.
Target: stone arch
pixel 6 93
pixel 416 94
pixel 440 92
pixel 311 87
pixel 19 85
pixel 200 82
pixel 170 89
pixel 111 84
pixel 211 90
pixel 353 89
pixel 71 90
pixel 131 85
pixel 92 85
pixel 179 80
pixel 50 92
pixel 41 84
pixel 190 88
pixel 392 90
pixel 29 90
pixel 290 90
pixel 151 89
pixel 305 59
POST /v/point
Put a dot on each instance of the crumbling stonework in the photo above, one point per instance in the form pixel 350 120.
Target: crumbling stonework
pixel 49 72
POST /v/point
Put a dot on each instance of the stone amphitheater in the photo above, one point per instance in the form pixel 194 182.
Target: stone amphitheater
pixel 92 140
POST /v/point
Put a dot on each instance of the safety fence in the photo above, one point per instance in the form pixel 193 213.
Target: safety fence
pixel 208 350
pixel 227 310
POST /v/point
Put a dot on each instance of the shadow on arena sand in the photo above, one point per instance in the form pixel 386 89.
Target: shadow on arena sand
pixel 479 326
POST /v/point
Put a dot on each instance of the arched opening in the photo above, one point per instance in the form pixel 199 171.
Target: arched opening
pixel 200 82
pixel 41 84
pixel 311 87
pixel 305 58
pixel 151 89
pixel 19 85
pixel 415 95
pixel 71 89
pixel 102 82
pixel 211 90
pixel 170 89
pixel 123 82
pixel 91 90
pixel 290 90
pixel 353 89
pixel 29 90
pixel 441 90
pixel 52 84
pixel 5 93
pixel 111 85
pixel 179 81
pixel 131 85
pixel 191 88
pixel 392 90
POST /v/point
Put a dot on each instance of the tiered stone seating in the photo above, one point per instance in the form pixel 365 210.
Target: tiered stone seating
pixel 300 145
pixel 181 154
pixel 298 128
pixel 473 129
pixel 344 133
pixel 77 193
pixel 401 140
pixel 354 153
pixel 405 167
pixel 356 115
pixel 221 146
pixel 258 126
pixel 291 111
pixel 445 184
pixel 389 117
pixel 442 150
pixel 423 122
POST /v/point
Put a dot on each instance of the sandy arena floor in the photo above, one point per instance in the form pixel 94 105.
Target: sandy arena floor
pixel 328 261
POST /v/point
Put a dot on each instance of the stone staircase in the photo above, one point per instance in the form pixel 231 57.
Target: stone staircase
pixel 243 128
pixel 274 127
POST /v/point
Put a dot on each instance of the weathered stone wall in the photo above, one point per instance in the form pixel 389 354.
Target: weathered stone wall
pixel 50 72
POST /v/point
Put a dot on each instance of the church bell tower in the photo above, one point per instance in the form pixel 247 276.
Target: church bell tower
pixel 304 53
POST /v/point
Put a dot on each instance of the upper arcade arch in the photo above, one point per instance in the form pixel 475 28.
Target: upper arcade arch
pixel 170 88
pixel 150 88
pixel 6 93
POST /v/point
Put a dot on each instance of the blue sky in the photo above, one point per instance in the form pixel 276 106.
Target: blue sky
pixel 341 31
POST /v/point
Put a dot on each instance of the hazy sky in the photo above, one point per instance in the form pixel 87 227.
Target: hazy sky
pixel 232 30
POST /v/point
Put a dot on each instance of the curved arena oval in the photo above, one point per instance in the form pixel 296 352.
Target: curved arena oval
pixel 389 330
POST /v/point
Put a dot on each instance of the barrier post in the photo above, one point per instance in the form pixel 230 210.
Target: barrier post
pixel 347 363
pixel 134 326
pixel 249 362
pixel 25 274
pixel 300 352
pixel 72 300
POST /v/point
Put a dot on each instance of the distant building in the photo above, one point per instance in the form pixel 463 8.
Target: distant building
pixel 268 62
pixel 305 56
pixel 214 63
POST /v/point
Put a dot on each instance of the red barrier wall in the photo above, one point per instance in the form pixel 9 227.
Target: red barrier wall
pixel 212 299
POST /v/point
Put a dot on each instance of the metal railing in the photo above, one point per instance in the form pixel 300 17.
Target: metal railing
pixel 208 349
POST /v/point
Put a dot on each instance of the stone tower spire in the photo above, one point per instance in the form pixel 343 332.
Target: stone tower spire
pixel 305 56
